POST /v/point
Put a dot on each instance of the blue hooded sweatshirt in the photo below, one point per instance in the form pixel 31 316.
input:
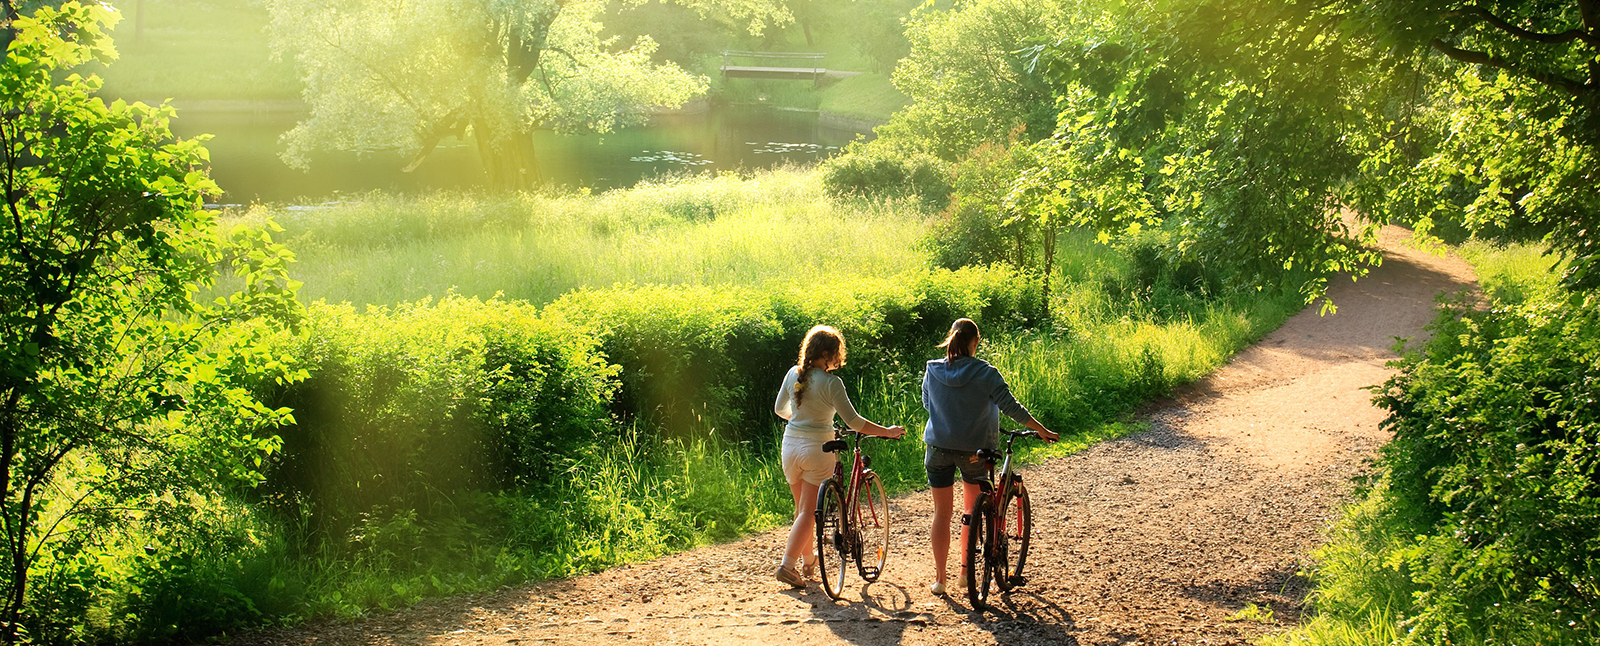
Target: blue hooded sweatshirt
pixel 964 398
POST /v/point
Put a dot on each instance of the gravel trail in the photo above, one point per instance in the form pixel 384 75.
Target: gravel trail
pixel 1156 538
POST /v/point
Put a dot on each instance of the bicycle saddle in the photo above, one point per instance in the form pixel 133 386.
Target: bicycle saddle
pixel 834 446
pixel 988 454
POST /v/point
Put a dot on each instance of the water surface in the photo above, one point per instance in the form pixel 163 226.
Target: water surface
pixel 245 149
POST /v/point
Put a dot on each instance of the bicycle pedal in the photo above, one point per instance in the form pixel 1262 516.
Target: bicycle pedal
pixel 1018 579
pixel 869 572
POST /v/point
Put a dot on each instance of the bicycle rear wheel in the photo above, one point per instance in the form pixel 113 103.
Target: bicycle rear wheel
pixel 1013 535
pixel 833 549
pixel 978 545
pixel 871 522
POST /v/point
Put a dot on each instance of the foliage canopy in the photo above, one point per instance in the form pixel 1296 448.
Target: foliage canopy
pixel 120 395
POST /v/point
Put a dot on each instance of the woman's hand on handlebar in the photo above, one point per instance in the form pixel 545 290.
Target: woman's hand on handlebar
pixel 893 432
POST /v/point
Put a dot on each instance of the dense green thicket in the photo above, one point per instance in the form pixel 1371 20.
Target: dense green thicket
pixel 1478 526
pixel 124 402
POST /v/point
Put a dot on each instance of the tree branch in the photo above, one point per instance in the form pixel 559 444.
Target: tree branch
pixel 1589 37
pixel 1556 81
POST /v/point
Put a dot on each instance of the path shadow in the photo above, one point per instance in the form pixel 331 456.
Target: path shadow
pixel 1282 590
pixel 1025 616
pixel 881 617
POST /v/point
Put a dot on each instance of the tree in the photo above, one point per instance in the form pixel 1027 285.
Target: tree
pixel 966 83
pixel 1513 89
pixel 406 75
pixel 117 388
pixel 1082 178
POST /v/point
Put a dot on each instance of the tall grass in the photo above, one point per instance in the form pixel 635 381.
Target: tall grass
pixel 692 230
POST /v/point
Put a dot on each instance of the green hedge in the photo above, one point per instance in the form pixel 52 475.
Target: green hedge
pixel 407 406
pixel 692 355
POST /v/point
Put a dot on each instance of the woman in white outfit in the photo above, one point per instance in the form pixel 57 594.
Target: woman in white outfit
pixel 811 395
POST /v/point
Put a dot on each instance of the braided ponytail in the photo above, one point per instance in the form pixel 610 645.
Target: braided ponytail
pixel 823 345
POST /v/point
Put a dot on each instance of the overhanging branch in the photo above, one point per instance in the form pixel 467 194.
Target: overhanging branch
pixel 1556 81
pixel 1589 37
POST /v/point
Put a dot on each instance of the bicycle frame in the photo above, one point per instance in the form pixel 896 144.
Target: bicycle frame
pixel 859 463
pixel 993 527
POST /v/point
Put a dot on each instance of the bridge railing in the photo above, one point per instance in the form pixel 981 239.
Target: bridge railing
pixel 792 64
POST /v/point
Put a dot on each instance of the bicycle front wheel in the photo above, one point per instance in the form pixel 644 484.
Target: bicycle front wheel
pixel 871 522
pixel 978 569
pixel 1013 534
pixel 833 549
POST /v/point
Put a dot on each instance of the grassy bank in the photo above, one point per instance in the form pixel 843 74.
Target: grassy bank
pixel 197 50
pixel 868 97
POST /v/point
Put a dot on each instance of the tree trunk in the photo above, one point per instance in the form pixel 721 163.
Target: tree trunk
pixel 1050 234
pixel 507 162
pixel 11 609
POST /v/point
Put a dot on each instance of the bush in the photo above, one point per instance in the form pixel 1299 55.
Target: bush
pixel 694 356
pixel 973 229
pixel 877 173
pixel 407 406
pixel 1492 463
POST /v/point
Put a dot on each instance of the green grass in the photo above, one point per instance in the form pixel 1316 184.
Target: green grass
pixel 197 50
pixel 772 226
pixel 1512 272
pixel 866 96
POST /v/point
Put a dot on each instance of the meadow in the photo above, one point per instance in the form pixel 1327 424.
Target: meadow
pixel 579 397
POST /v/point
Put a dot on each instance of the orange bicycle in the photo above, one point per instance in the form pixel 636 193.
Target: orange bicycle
pixel 852 517
pixel 998 529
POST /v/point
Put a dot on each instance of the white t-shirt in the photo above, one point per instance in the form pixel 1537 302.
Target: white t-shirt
pixel 823 398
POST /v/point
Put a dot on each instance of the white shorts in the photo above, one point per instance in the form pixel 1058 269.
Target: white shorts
pixel 804 460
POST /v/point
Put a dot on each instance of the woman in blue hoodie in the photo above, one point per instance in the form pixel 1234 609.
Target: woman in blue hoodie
pixel 964 396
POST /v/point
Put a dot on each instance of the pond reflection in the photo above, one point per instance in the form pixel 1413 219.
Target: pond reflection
pixel 245 147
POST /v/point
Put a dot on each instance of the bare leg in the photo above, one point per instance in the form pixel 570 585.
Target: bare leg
pixel 969 497
pixel 943 500
pixel 801 534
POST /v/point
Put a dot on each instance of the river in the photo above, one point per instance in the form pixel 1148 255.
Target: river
pixel 245 147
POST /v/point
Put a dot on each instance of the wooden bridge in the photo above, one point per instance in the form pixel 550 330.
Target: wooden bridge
pixel 793 66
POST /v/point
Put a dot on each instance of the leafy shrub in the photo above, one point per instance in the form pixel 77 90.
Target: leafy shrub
pixel 1492 465
pixel 695 356
pixel 974 230
pixel 407 406
pixel 876 172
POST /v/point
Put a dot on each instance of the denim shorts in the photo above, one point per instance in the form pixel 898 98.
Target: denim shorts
pixel 943 463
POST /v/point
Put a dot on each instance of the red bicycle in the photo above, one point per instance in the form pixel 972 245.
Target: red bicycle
pixel 852 517
pixel 999 528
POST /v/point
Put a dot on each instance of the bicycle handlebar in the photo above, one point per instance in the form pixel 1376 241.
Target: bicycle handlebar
pixel 839 432
pixel 1021 433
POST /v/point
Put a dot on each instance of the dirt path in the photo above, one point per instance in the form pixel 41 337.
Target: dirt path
pixel 1152 539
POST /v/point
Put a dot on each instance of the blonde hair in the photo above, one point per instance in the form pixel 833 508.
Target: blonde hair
pixel 823 342
pixel 958 343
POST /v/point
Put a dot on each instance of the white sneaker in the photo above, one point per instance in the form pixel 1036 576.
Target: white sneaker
pixel 937 589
